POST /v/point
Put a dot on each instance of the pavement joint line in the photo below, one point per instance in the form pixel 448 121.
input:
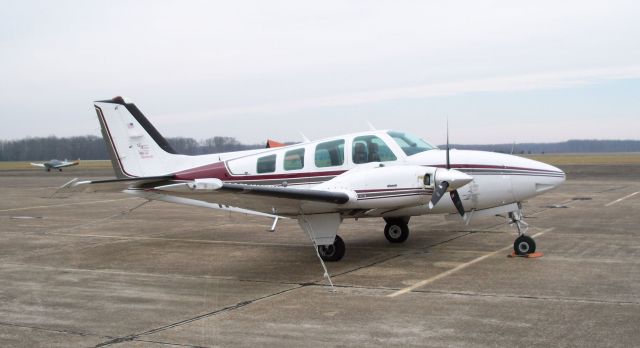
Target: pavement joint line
pixel 67 204
pixel 144 274
pixel 205 241
pixel 529 297
pixel 68 332
pixel 419 251
pixel 472 294
pixel 457 268
pixel 168 343
pixel 196 318
pixel 369 265
pixel 612 189
pixel 621 199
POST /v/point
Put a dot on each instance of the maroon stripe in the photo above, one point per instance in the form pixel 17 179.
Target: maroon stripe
pixel 219 170
pixel 388 189
pixel 486 166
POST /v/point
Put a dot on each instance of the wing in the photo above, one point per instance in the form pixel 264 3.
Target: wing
pixel 264 199
pixel 67 164
pixel 41 165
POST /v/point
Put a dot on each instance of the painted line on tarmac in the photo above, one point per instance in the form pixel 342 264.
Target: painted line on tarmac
pixel 621 199
pixel 457 268
pixel 67 204
pixel 183 240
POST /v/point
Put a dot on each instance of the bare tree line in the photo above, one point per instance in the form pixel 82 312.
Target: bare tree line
pixel 92 147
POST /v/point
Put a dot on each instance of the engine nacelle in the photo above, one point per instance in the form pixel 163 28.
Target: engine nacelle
pixel 377 186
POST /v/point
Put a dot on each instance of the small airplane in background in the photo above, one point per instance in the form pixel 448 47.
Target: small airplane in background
pixel 55 164
pixel 374 174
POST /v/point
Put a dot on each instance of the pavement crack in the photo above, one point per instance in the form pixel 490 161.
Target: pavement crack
pixel 230 308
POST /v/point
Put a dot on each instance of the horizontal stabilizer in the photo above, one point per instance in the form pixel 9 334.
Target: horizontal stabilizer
pixel 116 185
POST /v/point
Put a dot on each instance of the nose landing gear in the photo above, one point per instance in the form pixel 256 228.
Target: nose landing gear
pixel 523 245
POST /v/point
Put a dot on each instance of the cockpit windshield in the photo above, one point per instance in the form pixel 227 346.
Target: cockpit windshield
pixel 410 143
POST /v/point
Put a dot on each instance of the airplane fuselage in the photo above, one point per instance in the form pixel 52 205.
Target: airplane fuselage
pixel 498 179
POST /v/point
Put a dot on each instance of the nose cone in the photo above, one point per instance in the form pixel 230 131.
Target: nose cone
pixel 555 175
pixel 534 177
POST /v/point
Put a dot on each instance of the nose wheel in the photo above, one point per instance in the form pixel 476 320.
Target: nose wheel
pixel 523 245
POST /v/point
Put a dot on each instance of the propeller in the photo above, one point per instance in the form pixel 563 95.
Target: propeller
pixel 447 179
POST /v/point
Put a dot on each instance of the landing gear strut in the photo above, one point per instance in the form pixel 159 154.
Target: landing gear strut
pixel 396 230
pixel 332 252
pixel 523 245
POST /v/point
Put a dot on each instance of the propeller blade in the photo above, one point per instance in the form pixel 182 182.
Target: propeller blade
pixel 438 193
pixel 455 197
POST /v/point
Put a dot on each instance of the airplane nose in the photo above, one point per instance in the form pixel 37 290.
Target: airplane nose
pixel 558 176
pixel 547 177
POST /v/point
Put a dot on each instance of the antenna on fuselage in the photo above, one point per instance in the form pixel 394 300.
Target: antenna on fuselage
pixel 371 127
pixel 448 163
pixel 304 138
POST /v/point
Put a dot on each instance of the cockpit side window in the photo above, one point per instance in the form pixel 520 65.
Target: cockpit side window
pixel 330 154
pixel 409 143
pixel 370 148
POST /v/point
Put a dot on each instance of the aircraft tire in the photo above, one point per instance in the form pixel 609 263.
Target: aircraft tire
pixel 524 245
pixel 396 231
pixel 333 252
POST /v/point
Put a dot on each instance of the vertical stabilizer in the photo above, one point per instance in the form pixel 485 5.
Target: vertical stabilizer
pixel 135 146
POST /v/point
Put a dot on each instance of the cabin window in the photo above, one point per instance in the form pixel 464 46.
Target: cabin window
pixel 267 164
pixel 294 159
pixel 330 154
pixel 370 148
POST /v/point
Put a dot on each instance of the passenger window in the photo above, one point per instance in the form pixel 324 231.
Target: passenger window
pixel 294 159
pixel 330 154
pixel 370 148
pixel 267 164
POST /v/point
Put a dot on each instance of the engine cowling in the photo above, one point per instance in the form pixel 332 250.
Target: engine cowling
pixel 377 186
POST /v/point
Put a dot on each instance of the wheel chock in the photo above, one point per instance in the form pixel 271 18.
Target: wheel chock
pixel 528 256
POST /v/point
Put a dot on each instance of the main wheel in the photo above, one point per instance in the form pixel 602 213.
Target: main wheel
pixel 524 245
pixel 333 252
pixel 396 231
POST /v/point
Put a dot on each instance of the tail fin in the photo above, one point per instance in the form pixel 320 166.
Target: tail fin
pixel 135 146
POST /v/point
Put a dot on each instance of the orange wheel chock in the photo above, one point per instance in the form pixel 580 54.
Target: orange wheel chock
pixel 528 256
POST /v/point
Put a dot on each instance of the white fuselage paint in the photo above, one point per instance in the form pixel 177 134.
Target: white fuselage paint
pixel 393 189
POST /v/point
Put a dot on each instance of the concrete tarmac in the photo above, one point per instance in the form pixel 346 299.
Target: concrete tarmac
pixel 75 272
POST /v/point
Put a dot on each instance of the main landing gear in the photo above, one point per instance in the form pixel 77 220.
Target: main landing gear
pixel 397 229
pixel 332 252
pixel 523 245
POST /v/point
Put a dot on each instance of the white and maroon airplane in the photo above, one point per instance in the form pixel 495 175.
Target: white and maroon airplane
pixel 374 174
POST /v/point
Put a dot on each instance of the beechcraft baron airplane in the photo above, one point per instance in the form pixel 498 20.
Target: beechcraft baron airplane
pixel 55 164
pixel 375 174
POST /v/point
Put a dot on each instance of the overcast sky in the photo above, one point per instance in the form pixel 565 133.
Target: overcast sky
pixel 501 71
